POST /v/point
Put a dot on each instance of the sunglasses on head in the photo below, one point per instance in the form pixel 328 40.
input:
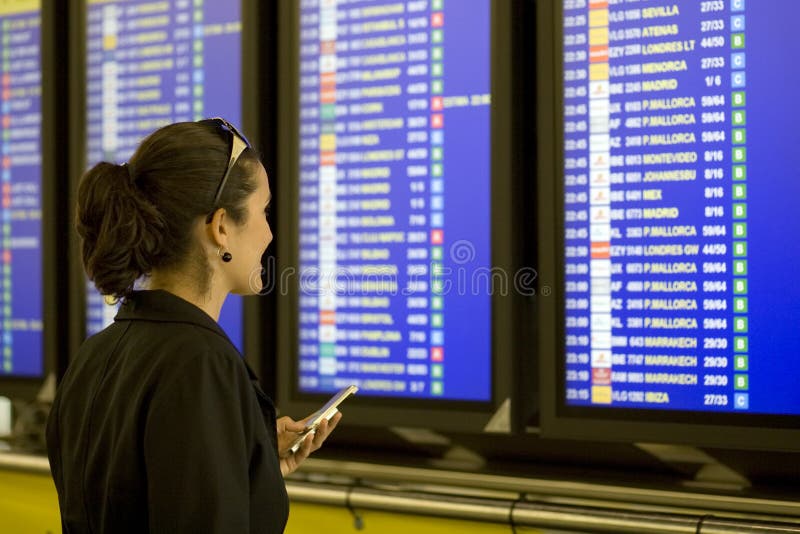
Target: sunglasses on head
pixel 239 144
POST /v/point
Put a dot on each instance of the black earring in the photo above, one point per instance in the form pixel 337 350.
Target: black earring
pixel 226 257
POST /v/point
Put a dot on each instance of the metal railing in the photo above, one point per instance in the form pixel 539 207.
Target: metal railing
pixel 543 503
pixel 557 504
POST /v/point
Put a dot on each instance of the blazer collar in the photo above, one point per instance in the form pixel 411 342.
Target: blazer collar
pixel 162 306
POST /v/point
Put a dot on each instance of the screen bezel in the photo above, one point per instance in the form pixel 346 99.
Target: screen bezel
pixel 725 430
pixel 393 411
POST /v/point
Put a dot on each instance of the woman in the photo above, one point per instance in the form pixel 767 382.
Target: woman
pixel 159 425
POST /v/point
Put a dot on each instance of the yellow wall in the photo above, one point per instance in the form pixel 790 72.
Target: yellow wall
pixel 305 518
pixel 28 505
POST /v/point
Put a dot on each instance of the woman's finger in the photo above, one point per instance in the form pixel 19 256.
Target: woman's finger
pixel 324 432
pixel 294 426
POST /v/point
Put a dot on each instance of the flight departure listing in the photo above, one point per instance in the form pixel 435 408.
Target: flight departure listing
pixel 151 63
pixel 21 304
pixel 681 180
pixel 395 198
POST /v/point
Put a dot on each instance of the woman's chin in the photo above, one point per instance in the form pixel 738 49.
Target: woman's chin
pixel 254 284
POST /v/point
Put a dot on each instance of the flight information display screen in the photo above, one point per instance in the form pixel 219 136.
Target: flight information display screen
pixel 680 177
pixel 394 204
pixel 151 63
pixel 21 209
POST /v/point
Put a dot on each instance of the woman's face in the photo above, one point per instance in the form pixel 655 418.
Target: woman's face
pixel 251 239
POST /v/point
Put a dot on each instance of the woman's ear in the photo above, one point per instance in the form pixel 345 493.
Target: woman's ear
pixel 217 228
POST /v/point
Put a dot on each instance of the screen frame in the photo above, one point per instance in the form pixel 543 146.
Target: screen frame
pixel 724 430
pixel 258 122
pixel 76 142
pixel 446 415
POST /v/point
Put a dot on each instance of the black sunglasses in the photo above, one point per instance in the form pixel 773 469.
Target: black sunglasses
pixel 239 144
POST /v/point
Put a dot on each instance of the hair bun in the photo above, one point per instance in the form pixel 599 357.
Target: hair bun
pixel 121 230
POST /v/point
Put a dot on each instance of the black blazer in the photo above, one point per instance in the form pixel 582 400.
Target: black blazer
pixel 160 426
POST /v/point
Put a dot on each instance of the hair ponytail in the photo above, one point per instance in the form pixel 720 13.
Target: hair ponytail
pixel 121 230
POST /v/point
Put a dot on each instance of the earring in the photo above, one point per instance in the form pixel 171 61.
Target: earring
pixel 226 257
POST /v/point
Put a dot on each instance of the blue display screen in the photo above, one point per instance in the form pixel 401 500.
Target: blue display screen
pixel 680 174
pixel 21 206
pixel 152 63
pixel 394 204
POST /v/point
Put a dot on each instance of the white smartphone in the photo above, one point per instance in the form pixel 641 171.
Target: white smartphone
pixel 326 412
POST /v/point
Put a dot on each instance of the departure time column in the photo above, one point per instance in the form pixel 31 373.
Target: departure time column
pixel 576 199
pixel 311 112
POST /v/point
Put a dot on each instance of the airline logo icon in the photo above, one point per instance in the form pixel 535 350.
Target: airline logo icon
pixel 327 279
pixel 599 89
pixel 600 161
pixel 602 341
pixel 601 394
pixel 601 285
pixel 598 17
pixel 600 214
pixel 600 268
pixel 327 302
pixel 600 195
pixel 600 124
pixel 327 206
pixel 599 108
pixel 601 304
pixel 601 251
pixel 327 32
pixel 598 36
pixel 598 71
pixel 327 142
pixel 327 317
pixel 328 255
pixel 601 376
pixel 327 333
pixel 327 221
pixel 600 177
pixel 327 190
pixel 327 63
pixel 327 366
pixel 327 47
pixel 327 174
pixel 600 232
pixel 601 359
pixel 327 158
pixel 600 142
pixel 598 54
pixel 601 321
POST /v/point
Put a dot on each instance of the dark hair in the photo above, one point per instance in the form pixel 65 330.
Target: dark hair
pixel 138 217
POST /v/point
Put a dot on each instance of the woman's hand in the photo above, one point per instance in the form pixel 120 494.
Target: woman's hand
pixel 288 432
